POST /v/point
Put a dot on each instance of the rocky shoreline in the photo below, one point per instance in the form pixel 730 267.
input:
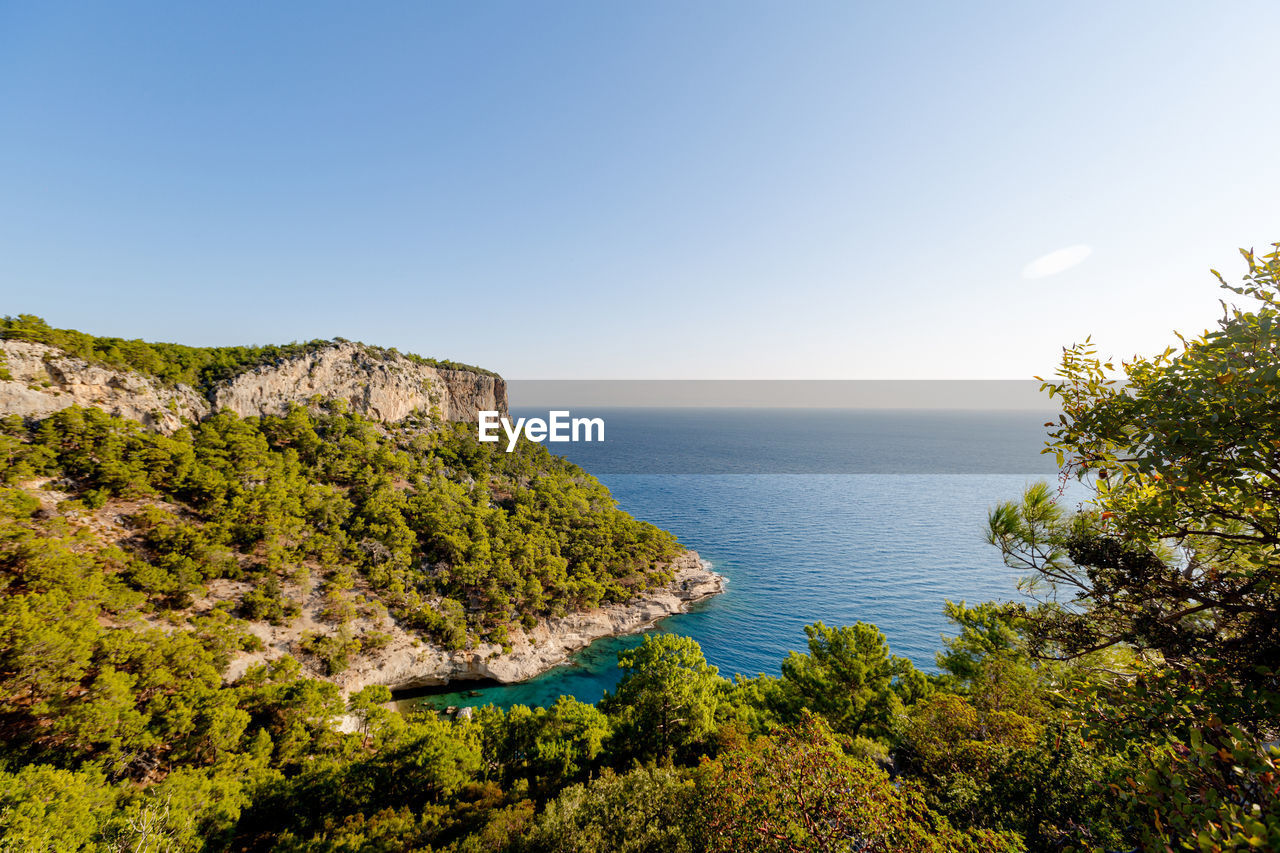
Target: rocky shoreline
pixel 407 662
pixel 551 643
pixel 548 645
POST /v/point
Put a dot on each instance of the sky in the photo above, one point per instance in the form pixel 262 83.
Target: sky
pixel 710 190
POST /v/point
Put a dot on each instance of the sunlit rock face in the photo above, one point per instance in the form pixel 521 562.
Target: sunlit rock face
pixel 377 384
pixel 45 380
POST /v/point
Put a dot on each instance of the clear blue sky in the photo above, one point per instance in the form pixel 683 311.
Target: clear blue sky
pixel 646 190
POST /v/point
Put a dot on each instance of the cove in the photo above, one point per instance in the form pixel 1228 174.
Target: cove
pixel 796 549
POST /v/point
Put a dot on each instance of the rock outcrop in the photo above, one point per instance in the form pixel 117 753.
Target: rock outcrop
pixel 378 384
pixel 383 386
pixel 45 380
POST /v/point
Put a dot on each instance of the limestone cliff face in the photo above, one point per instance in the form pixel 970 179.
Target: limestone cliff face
pixel 377 384
pixel 45 380
pixel 381 386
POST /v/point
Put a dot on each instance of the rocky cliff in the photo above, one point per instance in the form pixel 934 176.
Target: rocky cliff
pixel 44 380
pixel 378 384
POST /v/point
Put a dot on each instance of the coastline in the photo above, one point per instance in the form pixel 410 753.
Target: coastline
pixel 551 643
pixel 408 662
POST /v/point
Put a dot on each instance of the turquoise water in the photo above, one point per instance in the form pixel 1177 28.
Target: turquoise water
pixel 887 548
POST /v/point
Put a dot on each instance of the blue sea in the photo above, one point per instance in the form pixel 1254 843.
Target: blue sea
pixel 832 516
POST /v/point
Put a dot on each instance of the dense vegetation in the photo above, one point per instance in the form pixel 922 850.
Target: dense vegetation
pixel 200 367
pixel 454 537
pixel 1131 703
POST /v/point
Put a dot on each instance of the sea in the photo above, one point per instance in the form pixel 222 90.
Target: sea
pixel 812 515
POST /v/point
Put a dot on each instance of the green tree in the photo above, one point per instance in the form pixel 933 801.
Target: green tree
pixel 568 742
pixel 850 678
pixel 1175 551
pixel 648 810
pixel 799 791
pixel 368 706
pixel 1172 566
pixel 667 697
pixel 47 808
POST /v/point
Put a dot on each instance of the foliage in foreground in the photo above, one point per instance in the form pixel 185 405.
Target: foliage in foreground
pixel 1173 570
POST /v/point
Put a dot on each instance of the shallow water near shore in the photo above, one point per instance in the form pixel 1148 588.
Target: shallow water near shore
pixel 886 548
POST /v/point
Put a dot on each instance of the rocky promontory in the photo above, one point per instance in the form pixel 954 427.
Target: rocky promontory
pixel 350 638
pixel 552 641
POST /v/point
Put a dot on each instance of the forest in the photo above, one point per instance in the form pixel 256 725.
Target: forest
pixel 1127 700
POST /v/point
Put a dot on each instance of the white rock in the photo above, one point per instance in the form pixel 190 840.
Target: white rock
pixel 378 385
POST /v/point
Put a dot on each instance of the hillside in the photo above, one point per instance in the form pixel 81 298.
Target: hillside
pixel 325 502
